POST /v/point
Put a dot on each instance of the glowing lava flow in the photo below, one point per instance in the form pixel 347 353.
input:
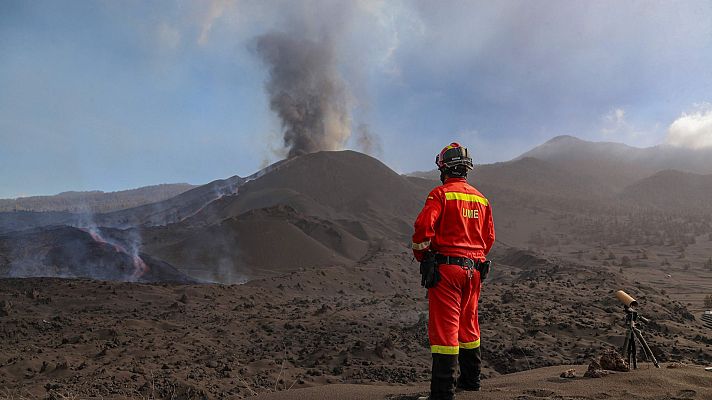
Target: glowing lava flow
pixel 139 265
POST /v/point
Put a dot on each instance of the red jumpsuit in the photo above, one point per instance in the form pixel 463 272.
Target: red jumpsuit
pixel 455 221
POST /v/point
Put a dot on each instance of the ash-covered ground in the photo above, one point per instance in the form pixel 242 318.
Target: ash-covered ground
pixel 360 324
pixel 333 293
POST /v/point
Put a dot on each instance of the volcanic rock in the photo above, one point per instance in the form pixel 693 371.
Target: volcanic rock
pixel 612 361
pixel 595 370
pixel 568 374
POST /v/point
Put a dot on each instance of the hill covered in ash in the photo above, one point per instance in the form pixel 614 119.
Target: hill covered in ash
pixel 326 208
pixel 95 201
pixel 618 164
pixel 68 252
pixel 338 208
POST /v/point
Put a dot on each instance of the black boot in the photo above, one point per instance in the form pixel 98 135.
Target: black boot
pixel 470 367
pixel 442 384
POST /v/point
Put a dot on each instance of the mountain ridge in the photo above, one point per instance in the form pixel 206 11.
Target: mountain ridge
pixel 673 189
pixel 95 200
pixel 341 206
pixel 617 163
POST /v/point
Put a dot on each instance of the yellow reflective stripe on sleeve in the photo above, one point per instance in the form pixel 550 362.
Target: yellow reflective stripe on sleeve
pixel 466 197
pixel 470 345
pixel 445 349
pixel 421 246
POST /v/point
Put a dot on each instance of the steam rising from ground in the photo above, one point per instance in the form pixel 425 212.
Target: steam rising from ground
pixel 132 250
pixel 130 244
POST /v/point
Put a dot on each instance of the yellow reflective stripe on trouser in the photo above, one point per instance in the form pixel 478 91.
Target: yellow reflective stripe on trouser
pixel 470 345
pixel 421 246
pixel 473 198
pixel 445 349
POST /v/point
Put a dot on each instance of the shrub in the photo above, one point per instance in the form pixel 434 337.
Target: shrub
pixel 708 301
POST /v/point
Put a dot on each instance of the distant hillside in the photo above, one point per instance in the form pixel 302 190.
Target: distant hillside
pixel 618 164
pixel 530 180
pixel 673 190
pixel 173 209
pixel 572 167
pixel 341 208
pixel 534 176
pixel 95 201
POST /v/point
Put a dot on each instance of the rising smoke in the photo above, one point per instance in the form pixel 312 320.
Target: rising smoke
pixel 366 141
pixel 304 85
pixel 306 91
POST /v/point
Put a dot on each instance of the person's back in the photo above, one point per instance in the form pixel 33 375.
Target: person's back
pixel 464 227
pixel 453 234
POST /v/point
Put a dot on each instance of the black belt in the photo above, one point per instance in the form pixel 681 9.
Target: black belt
pixel 464 262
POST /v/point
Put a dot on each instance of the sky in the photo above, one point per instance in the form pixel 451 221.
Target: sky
pixel 111 95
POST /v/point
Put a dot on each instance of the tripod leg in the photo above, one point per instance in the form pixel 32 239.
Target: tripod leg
pixel 630 351
pixel 626 349
pixel 634 351
pixel 646 348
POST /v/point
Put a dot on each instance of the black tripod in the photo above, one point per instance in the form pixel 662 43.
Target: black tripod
pixel 633 334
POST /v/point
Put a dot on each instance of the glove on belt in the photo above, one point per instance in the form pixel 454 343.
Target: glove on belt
pixel 429 274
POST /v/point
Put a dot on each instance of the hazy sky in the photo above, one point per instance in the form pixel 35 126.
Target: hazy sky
pixel 118 94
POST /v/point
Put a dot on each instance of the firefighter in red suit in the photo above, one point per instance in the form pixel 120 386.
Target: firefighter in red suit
pixel 455 231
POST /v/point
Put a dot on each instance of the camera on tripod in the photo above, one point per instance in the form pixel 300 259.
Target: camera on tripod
pixel 633 333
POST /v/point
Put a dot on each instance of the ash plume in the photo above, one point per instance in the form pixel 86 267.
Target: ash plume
pixel 367 141
pixel 306 90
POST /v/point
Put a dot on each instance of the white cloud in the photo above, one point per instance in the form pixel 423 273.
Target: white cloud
pixel 693 129
pixel 616 126
pixel 215 10
pixel 614 122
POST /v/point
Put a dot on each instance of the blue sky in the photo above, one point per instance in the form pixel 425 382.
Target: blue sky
pixel 112 95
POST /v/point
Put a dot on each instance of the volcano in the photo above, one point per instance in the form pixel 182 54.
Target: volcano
pixel 340 208
pixel 320 209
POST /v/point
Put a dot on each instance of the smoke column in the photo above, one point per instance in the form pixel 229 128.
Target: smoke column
pixel 306 91
pixel 367 141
